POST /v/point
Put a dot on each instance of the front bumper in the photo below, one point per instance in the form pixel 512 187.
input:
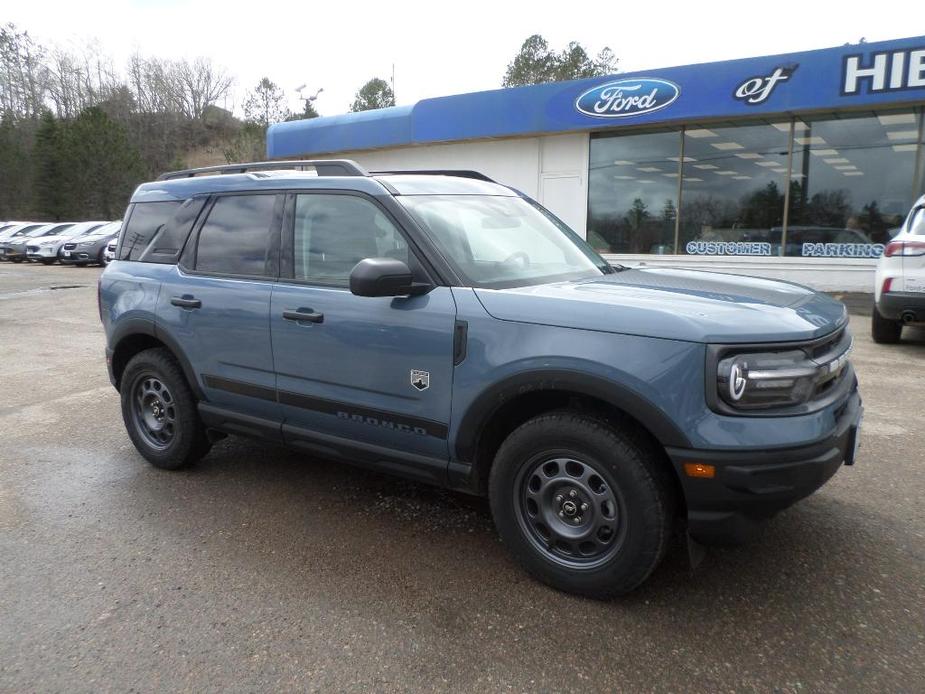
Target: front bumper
pixel 750 486
pixel 76 256
pixel 892 305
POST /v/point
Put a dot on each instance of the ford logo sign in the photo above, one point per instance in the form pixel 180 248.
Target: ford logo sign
pixel 628 97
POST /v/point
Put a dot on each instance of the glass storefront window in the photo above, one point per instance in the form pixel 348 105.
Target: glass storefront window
pixel 851 183
pixel 734 181
pixel 633 192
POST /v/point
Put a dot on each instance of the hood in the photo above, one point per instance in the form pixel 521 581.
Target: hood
pixel 39 240
pixel 675 304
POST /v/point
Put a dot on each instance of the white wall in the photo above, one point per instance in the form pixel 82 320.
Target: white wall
pixel 551 169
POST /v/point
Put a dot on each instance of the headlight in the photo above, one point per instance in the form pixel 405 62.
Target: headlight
pixel 46 243
pixel 85 244
pixel 789 378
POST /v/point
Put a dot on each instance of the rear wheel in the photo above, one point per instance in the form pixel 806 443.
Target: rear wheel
pixel 159 411
pixel 583 505
pixel 883 330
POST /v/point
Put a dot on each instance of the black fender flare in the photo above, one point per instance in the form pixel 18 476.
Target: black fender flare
pixel 489 401
pixel 130 327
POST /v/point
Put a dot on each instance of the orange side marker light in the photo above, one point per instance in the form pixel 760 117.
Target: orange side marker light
pixel 700 470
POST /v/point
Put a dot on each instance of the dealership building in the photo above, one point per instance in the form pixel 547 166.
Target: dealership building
pixel 796 166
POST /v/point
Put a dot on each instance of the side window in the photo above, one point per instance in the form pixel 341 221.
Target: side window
pixel 334 232
pixel 234 240
pixel 167 243
pixel 145 221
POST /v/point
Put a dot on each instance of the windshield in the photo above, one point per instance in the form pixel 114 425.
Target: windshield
pixel 498 241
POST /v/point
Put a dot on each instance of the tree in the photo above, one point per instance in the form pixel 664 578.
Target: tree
pixel 374 94
pixel 104 167
pixel 266 104
pixel 247 144
pixel 638 214
pixel 536 63
pixel 194 86
pixel 52 193
pixel 14 170
pixel 308 111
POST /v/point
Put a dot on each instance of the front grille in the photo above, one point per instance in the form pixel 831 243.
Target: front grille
pixel 70 246
pixel 32 249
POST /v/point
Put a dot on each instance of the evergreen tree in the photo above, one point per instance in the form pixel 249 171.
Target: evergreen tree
pixel 105 166
pixel 52 194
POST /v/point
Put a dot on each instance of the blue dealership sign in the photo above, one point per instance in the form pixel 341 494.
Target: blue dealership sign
pixel 831 79
pixel 627 97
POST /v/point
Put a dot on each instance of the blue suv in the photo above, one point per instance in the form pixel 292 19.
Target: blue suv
pixel 444 327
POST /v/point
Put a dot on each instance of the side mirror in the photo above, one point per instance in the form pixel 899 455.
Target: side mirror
pixel 384 277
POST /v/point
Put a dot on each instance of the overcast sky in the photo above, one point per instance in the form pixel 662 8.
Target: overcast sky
pixel 441 47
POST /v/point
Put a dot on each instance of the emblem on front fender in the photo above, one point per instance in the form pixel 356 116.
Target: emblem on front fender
pixel 420 379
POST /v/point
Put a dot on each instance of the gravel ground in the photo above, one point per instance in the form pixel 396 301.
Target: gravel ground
pixel 261 569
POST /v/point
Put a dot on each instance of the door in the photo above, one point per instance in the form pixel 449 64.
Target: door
pixel 217 307
pixel 370 372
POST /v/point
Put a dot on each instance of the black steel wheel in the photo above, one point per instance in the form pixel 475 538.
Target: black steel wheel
pixel 154 410
pixel 584 504
pixel 568 511
pixel 159 411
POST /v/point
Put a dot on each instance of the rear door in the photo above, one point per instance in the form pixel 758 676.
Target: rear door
pixel 216 303
pixel 375 373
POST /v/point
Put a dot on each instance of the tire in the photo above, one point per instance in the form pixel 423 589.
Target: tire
pixel 624 500
pixel 159 411
pixel 102 258
pixel 883 330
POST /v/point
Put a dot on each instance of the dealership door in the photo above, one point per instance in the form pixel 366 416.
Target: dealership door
pixel 563 195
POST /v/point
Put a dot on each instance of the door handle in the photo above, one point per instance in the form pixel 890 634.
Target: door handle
pixel 304 314
pixel 185 302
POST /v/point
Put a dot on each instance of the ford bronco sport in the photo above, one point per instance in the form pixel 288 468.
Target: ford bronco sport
pixel 444 327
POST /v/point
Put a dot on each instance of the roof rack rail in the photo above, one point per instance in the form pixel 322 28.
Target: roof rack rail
pixel 462 173
pixel 324 167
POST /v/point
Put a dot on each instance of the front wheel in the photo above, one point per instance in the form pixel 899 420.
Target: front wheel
pixel 159 411
pixel 583 505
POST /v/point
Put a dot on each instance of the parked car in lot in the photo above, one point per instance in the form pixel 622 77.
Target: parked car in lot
pixel 90 247
pixel 110 253
pixel 447 328
pixel 899 285
pixel 13 241
pixel 45 248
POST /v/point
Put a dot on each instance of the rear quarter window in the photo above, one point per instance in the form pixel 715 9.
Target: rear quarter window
pixel 145 222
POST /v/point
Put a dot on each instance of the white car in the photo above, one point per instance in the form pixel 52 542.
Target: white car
pixel 45 248
pixel 899 290
pixel 110 253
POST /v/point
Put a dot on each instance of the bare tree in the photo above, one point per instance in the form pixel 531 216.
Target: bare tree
pixel 194 86
pixel 22 74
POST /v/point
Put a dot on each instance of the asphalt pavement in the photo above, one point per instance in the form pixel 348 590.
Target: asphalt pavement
pixel 261 569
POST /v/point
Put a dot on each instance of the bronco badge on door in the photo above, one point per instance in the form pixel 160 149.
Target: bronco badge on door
pixel 420 379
